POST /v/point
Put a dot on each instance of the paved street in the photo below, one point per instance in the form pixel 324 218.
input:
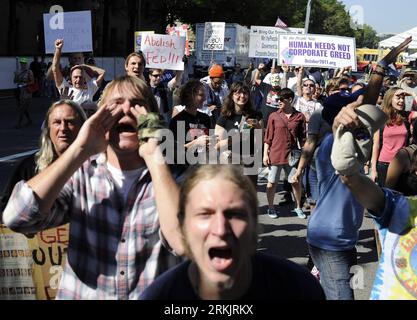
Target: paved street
pixel 284 236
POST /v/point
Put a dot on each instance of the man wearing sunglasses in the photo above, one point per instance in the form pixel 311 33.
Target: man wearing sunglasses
pixel 304 101
pixel 163 91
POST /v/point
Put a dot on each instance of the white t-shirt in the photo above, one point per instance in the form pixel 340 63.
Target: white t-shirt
pixel 306 107
pixel 77 95
pixel 124 180
pixel 205 110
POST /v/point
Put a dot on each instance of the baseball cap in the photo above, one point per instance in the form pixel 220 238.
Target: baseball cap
pixel 353 148
pixel 334 103
pixel 23 60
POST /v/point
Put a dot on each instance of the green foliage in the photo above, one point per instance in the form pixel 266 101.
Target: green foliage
pixel 327 16
pixel 366 37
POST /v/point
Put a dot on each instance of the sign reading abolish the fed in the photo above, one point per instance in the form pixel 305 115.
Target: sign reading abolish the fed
pixel 320 51
pixel 163 51
pixel 214 35
pixel 75 29
pixel 264 40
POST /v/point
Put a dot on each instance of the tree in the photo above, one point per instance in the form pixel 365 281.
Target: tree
pixel 327 16
pixel 366 37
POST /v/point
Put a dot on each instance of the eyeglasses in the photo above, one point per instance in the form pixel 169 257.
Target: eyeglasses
pixel 156 75
pixel 309 85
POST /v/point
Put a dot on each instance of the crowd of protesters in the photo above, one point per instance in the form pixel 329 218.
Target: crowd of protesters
pixel 134 216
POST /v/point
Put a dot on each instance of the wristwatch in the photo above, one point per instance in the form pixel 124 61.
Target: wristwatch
pixel 382 64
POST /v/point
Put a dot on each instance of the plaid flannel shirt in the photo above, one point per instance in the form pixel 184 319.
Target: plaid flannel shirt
pixel 114 249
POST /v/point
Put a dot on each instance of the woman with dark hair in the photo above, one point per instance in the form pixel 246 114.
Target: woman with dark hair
pixel 190 125
pixel 238 117
pixel 393 136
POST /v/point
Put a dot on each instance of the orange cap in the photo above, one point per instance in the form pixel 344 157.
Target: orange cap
pixel 216 71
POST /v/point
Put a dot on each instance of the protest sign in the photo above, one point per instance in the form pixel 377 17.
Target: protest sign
pixel 214 35
pixel 320 51
pixel 16 267
pixel 138 39
pixel 180 31
pixel 163 51
pixel 75 30
pixel 263 41
pixel 49 251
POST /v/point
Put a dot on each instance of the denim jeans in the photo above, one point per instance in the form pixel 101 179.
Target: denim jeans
pixel 334 267
pixel 310 183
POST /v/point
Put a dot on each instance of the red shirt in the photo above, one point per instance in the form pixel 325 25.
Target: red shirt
pixel 282 134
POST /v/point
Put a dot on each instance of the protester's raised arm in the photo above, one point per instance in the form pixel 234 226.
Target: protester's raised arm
pixel 100 73
pixel 166 190
pixel 377 77
pixel 56 70
pixel 373 199
pixel 300 75
pixel 396 168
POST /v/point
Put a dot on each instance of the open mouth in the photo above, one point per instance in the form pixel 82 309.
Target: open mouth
pixel 221 258
pixel 124 127
pixel 65 138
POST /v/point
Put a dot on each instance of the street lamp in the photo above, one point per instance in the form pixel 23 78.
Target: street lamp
pixel 307 22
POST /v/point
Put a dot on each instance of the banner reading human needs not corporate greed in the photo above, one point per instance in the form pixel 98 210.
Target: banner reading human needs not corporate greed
pixel 320 51
pixel 163 51
pixel 74 27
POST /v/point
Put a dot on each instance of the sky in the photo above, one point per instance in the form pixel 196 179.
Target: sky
pixel 386 16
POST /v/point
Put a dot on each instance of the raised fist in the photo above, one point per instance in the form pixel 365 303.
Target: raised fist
pixel 59 43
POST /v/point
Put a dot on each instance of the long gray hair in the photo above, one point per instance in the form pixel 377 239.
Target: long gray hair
pixel 47 153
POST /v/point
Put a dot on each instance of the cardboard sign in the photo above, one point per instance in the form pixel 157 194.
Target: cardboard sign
pixel 317 51
pixel 214 35
pixel 49 252
pixel 163 52
pixel 181 31
pixel 74 27
pixel 16 267
pixel 263 41
pixel 138 39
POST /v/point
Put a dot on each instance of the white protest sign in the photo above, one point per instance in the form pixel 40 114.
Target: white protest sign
pixel 75 29
pixel 263 41
pixel 163 51
pixel 320 51
pixel 180 31
pixel 138 39
pixel 214 36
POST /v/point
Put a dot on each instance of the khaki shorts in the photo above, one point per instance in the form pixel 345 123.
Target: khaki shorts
pixel 275 172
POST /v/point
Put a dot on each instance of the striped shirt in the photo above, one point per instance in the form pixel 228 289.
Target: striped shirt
pixel 114 249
